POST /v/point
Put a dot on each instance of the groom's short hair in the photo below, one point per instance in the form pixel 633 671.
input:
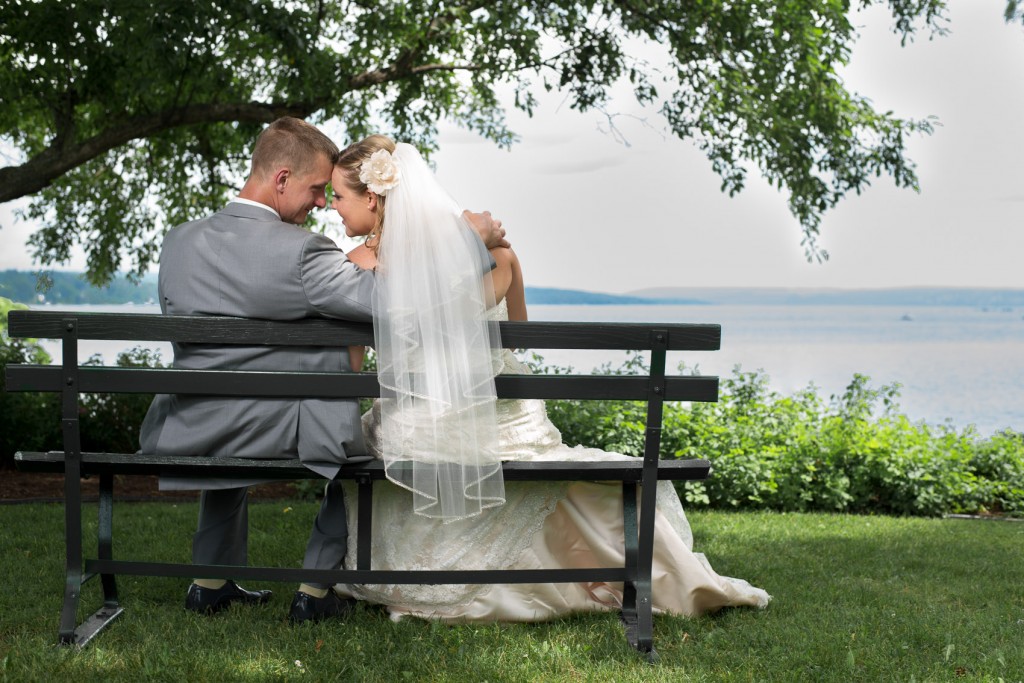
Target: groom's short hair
pixel 290 142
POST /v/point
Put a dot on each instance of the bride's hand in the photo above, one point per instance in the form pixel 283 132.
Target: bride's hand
pixel 489 228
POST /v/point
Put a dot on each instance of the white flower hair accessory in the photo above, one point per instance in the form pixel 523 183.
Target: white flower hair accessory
pixel 379 172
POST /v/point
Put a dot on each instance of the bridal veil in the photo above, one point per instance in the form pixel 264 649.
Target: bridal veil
pixel 435 347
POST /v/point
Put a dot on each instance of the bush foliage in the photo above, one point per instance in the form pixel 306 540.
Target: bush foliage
pixel 31 421
pixel 28 422
pixel 851 453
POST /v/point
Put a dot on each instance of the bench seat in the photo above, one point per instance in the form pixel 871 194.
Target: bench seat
pixel 139 463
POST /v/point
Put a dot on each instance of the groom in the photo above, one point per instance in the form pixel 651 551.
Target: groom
pixel 251 259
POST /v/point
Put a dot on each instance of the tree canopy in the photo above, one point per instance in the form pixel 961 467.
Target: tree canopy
pixel 123 118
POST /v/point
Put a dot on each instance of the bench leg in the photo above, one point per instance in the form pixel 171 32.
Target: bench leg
pixel 631 553
pixel 105 551
pixel 111 607
pixel 644 596
pixel 637 608
pixel 75 577
pixel 95 623
pixel 72 547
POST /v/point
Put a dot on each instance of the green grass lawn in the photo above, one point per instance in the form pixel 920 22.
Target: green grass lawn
pixel 855 598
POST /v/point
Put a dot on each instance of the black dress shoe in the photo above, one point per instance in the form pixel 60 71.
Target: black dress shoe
pixel 306 607
pixel 213 600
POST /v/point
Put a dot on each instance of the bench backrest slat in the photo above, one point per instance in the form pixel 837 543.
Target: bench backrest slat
pixel 327 385
pixel 322 332
pixel 222 382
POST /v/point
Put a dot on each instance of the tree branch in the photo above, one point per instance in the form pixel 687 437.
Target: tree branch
pixel 64 155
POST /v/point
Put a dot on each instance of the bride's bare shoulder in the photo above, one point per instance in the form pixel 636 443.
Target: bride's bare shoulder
pixel 363 257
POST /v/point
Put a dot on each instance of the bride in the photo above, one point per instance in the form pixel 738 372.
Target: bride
pixel 386 192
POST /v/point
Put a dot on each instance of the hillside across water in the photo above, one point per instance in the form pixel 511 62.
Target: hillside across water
pixel 71 288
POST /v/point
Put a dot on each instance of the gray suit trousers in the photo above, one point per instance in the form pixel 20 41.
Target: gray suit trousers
pixel 222 536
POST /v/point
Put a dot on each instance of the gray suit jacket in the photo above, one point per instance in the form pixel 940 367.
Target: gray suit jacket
pixel 243 261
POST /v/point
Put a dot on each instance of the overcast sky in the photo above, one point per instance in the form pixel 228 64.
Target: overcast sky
pixel 585 211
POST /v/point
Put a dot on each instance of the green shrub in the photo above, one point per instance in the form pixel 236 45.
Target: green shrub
pixel 851 453
pixel 998 462
pixel 31 421
pixel 28 421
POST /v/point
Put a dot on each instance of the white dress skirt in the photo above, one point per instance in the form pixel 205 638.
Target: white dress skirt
pixel 541 525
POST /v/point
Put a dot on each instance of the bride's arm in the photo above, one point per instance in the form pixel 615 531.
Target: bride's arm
pixel 507 280
pixel 365 259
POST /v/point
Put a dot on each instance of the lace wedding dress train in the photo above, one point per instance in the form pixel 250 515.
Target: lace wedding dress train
pixel 541 524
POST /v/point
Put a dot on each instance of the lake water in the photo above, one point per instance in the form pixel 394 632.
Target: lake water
pixel 955 364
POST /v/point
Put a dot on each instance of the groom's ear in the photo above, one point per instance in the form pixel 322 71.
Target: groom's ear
pixel 281 177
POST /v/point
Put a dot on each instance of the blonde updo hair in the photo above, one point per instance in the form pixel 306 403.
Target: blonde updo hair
pixel 350 160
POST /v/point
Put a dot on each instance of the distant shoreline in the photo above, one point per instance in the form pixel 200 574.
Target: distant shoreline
pixel 71 288
pixel 979 297
pixel 994 299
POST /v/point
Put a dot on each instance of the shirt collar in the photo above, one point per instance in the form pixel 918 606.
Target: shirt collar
pixel 242 200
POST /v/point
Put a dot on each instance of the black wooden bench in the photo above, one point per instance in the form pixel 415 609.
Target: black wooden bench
pixel 71 379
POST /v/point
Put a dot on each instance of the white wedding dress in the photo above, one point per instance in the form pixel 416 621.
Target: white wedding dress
pixel 541 525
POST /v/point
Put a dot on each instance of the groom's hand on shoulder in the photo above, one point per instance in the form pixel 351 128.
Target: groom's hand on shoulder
pixel 489 229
